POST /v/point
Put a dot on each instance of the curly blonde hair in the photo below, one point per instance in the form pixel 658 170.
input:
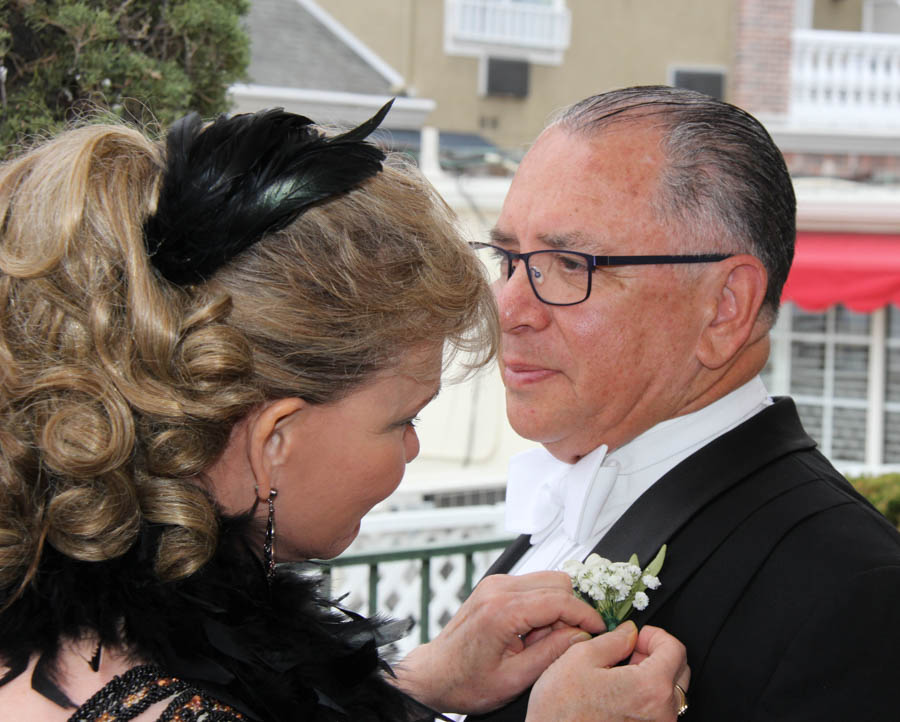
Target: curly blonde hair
pixel 118 389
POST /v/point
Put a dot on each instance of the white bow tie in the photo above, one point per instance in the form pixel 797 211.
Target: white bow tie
pixel 543 492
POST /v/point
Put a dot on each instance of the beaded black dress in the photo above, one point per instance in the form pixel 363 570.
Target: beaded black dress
pixel 224 644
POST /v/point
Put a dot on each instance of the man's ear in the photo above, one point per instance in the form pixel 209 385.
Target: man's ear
pixel 269 442
pixel 738 292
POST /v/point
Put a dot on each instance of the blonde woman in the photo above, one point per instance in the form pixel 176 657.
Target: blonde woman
pixel 213 351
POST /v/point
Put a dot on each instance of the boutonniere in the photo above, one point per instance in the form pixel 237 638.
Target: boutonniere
pixel 615 588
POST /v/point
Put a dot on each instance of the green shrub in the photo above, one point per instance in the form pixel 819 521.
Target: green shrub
pixel 144 60
pixel 884 493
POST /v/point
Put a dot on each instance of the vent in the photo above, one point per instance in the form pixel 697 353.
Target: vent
pixel 506 77
pixel 711 82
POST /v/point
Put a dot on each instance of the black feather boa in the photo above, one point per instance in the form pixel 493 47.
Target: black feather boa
pixel 276 653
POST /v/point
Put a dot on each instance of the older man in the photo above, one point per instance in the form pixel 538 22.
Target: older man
pixel 640 255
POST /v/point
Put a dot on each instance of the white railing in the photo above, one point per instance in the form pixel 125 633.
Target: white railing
pixel 523 25
pixel 846 80
pixel 389 530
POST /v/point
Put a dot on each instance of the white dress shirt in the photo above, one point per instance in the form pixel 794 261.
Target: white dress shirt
pixel 567 508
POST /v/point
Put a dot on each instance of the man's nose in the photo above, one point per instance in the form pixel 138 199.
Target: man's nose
pixel 518 305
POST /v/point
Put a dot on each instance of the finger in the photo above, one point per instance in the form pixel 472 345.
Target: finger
pixel 684 678
pixel 637 658
pixel 536 635
pixel 609 649
pixel 545 607
pixel 528 582
pixel 557 580
pixel 662 653
pixel 600 652
pixel 524 668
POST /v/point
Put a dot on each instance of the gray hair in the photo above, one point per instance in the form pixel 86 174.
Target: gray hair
pixel 725 178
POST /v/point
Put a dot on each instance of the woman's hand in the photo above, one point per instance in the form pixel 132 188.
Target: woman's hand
pixel 505 634
pixel 583 684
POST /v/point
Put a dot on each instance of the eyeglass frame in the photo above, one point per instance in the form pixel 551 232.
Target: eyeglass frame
pixel 595 262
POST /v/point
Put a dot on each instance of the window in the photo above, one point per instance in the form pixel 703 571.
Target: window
pixel 822 360
pixel 881 16
pixel 892 389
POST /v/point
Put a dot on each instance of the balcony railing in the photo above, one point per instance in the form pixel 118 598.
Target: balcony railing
pixel 478 26
pixel 426 584
pixel 846 80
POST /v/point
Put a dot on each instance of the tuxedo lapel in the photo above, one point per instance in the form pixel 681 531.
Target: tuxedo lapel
pixel 510 555
pixel 681 493
pixel 724 547
pixel 697 490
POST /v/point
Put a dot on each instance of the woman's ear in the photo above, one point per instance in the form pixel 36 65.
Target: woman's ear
pixel 738 292
pixel 269 441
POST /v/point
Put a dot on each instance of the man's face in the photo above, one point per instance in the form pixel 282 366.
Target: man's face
pixel 605 370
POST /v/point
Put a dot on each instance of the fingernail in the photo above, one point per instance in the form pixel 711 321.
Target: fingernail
pixel 630 628
pixel 580 637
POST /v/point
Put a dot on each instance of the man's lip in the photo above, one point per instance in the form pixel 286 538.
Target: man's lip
pixel 517 373
pixel 518 367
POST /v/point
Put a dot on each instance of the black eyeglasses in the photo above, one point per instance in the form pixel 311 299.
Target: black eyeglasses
pixel 563 278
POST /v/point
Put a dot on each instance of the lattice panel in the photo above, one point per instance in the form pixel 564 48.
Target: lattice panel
pixel 447 580
pixel 399 590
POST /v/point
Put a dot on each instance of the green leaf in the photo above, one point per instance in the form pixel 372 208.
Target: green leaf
pixel 654 567
pixel 624 608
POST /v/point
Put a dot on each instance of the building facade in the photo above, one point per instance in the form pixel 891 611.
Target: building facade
pixel 823 76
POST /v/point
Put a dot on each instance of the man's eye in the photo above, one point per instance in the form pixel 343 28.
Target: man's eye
pixel 497 257
pixel 575 264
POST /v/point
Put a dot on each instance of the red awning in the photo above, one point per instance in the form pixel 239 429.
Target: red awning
pixel 859 271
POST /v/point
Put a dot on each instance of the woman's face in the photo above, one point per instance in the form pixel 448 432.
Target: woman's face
pixel 344 457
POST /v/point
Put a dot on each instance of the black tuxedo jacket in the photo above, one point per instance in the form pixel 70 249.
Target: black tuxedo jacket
pixel 780 579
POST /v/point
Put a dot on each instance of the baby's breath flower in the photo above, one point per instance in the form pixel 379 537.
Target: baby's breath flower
pixel 614 588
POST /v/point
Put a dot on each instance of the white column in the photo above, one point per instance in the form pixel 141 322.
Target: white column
pixel 429 152
pixel 876 390
pixel 826 442
pixel 780 354
pixel 803 14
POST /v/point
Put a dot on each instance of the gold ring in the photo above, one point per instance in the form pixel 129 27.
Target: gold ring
pixel 681 699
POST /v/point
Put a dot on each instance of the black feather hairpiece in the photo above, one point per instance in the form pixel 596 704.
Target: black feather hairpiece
pixel 230 182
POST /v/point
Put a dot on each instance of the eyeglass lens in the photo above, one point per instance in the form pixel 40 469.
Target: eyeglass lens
pixel 558 277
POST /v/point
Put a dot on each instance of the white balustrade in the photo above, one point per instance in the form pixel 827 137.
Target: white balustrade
pixel 846 80
pixel 503 22
pixel 391 530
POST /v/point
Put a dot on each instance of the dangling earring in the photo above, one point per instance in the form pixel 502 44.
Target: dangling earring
pixel 269 546
pixel 94 662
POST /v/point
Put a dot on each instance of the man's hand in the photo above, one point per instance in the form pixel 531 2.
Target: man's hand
pixel 584 685
pixel 506 633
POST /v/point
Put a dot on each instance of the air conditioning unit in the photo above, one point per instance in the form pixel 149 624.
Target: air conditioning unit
pixel 709 81
pixel 503 77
